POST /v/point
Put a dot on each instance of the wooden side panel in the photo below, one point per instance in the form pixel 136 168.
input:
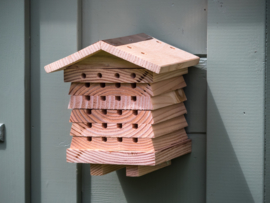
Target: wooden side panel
pixel 102 59
pixel 128 158
pixel 103 169
pixel 118 75
pixel 127 89
pixel 127 116
pixel 128 130
pixel 137 171
pixel 127 102
pixel 128 144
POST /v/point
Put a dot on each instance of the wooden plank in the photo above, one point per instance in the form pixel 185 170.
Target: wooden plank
pixel 127 116
pixel 128 144
pixel 127 102
pixel 151 54
pixel 120 75
pixel 137 171
pixel 103 169
pixel 127 89
pixel 128 157
pixel 102 59
pixel 236 101
pixel 127 129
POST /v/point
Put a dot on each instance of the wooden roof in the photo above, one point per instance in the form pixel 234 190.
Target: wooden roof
pixel 141 49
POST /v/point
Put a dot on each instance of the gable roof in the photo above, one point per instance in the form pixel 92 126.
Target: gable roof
pixel 141 49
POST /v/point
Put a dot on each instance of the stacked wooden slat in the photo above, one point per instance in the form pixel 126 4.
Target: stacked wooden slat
pixel 127 97
pixel 126 118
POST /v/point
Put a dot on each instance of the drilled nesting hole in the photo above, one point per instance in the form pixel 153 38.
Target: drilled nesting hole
pixel 89 125
pixel 117 98
pixel 104 125
pixel 158 42
pixel 135 112
pixel 104 111
pixel 117 75
pixel 133 98
pixel 119 112
pixel 133 85
pixel 88 111
pixel 129 47
pixel 87 84
pixel 87 98
pixel 99 75
pixel 133 75
pixel 118 85
pixel 102 85
pixel 120 139
pixel 89 139
pixel 142 53
pixel 103 98
pixel 104 139
pixel 135 140
pixel 135 126
pixel 172 47
pixel 83 75
pixel 119 125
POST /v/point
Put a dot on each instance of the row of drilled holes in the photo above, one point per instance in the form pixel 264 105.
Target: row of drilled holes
pixel 117 75
pixel 117 85
pixel 119 125
pixel 117 98
pixel 119 112
pixel 119 139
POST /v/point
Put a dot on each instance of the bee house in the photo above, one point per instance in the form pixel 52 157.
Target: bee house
pixel 126 97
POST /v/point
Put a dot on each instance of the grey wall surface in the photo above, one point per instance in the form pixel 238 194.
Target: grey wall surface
pixel 14 94
pixel 267 109
pixel 182 24
pixel 54 36
pixel 235 124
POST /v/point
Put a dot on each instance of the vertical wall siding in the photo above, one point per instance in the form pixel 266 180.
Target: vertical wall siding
pixel 14 163
pixel 235 111
pixel 182 24
pixel 54 36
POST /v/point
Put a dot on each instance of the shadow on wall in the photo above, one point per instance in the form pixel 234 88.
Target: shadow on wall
pixel 183 181
pixel 222 158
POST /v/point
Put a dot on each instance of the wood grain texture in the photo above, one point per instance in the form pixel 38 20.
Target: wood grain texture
pixel 127 102
pixel 149 53
pixel 137 171
pixel 128 157
pixel 127 116
pixel 127 89
pixel 102 59
pixel 103 169
pixel 121 75
pixel 129 144
pixel 128 130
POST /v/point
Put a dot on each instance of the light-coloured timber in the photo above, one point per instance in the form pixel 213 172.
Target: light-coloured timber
pixel 127 129
pixel 103 169
pixel 141 50
pixel 137 171
pixel 102 59
pixel 128 144
pixel 128 157
pixel 127 116
pixel 120 75
pixel 127 102
pixel 127 89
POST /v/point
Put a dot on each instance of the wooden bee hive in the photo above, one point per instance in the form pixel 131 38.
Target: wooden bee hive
pixel 126 97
